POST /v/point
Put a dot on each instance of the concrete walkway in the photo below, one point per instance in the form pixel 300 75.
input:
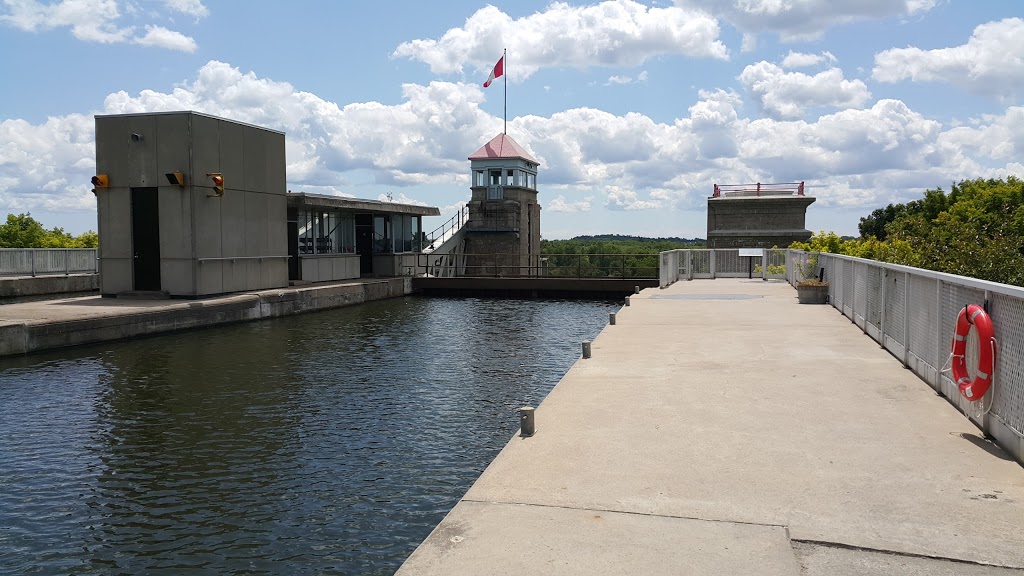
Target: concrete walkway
pixel 722 428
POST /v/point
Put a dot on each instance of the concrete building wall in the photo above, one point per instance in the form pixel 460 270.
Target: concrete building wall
pixel 329 267
pixel 208 244
pixel 757 222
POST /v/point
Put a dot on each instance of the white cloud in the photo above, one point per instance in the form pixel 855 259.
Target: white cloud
pixel 89 20
pixel 620 80
pixel 854 157
pixel 160 37
pixel 999 137
pixel 803 19
pixel 790 94
pixel 560 204
pixel 47 166
pixel 621 199
pixel 749 43
pixel 614 33
pixel 97 21
pixel 401 199
pixel 803 60
pixel 190 7
pixel 991 62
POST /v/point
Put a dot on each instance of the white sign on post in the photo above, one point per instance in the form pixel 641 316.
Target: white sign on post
pixel 752 252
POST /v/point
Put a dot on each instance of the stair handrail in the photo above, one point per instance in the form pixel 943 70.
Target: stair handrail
pixel 453 224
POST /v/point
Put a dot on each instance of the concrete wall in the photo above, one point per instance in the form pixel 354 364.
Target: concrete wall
pixel 208 244
pixel 757 222
pixel 41 285
pixel 27 337
pixel 329 267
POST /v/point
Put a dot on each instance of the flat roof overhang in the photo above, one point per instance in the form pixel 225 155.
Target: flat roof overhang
pixel 304 200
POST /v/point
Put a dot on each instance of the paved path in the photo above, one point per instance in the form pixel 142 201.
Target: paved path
pixel 721 428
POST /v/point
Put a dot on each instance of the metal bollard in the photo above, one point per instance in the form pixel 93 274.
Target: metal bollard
pixel 627 300
pixel 636 289
pixel 526 422
pixel 586 348
pixel 611 318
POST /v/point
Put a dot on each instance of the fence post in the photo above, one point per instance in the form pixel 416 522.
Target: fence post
pixel 906 319
pixel 33 253
pixel 881 320
pixel 689 264
pixel 764 264
pixel 938 338
pixel 711 260
pixel 67 262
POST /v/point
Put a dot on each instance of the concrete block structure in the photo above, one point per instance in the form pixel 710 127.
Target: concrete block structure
pixel 757 215
pixel 502 235
pixel 163 224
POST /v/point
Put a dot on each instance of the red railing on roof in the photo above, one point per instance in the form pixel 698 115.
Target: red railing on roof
pixel 759 189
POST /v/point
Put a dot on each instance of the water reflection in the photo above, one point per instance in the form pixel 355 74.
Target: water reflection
pixel 325 443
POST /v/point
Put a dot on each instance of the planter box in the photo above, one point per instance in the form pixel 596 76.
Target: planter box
pixel 812 294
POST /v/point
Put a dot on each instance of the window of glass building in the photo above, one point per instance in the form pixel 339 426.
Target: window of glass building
pixel 326 232
pixel 382 235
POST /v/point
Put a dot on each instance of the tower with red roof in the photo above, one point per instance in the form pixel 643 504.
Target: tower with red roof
pixel 502 235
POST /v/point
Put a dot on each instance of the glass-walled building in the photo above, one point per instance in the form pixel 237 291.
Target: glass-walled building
pixel 336 238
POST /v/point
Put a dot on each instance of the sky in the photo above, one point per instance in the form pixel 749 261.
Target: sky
pixel 634 110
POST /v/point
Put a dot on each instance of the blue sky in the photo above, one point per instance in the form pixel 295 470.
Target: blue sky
pixel 634 109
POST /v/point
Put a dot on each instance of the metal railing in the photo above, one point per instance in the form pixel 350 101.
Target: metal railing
pixel 759 189
pixel 445 231
pixel 47 261
pixel 911 312
pixel 690 264
pixel 618 266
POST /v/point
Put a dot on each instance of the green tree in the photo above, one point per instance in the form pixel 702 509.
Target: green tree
pixel 24 231
pixel 976 230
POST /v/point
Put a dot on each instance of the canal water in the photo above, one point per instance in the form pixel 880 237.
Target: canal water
pixel 327 443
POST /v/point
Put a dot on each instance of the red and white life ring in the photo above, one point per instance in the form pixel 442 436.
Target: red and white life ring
pixel 974 389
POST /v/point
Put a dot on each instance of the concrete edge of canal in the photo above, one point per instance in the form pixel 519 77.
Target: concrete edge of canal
pixel 87 320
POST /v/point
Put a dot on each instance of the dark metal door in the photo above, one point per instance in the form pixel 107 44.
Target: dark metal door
pixel 293 250
pixel 146 239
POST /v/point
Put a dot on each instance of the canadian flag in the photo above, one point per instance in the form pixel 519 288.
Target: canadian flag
pixel 499 69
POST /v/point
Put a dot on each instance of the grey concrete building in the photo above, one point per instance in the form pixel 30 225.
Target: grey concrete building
pixel 192 205
pixel 164 226
pixel 757 215
pixel 502 235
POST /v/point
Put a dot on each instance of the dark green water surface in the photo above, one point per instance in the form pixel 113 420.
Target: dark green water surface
pixel 327 443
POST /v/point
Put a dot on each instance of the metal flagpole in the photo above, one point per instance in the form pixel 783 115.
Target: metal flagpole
pixel 504 70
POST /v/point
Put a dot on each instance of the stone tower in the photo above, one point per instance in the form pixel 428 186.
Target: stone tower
pixel 502 234
pixel 757 215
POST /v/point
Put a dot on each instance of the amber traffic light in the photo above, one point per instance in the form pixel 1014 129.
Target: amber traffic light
pixel 218 182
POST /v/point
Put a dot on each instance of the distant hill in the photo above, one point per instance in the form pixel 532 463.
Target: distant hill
pixel 622 238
